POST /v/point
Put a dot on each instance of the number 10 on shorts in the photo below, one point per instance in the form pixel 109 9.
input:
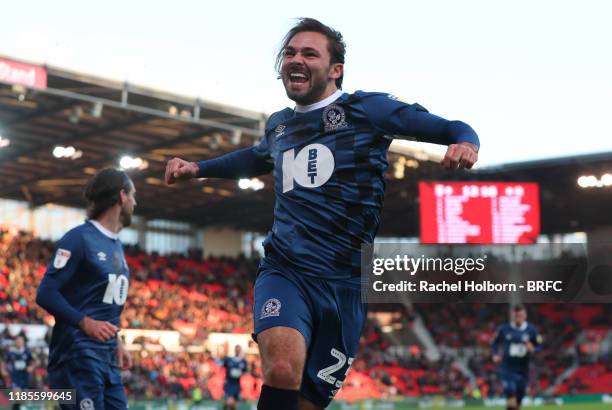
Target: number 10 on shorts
pixel 325 373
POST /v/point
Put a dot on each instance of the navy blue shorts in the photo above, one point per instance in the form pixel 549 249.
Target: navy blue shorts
pixel 96 378
pixel 515 384
pixel 231 390
pixel 20 380
pixel 328 313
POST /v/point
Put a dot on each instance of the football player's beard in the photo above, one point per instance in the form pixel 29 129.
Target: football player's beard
pixel 126 217
pixel 312 96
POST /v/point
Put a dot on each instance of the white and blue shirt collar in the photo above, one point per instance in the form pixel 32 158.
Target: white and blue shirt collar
pixel 320 104
pixel 523 327
pixel 103 230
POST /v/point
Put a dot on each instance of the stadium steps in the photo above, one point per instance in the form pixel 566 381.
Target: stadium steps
pixel 562 378
pixel 432 351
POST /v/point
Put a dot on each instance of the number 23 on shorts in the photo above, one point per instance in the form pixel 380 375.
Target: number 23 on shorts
pixel 325 373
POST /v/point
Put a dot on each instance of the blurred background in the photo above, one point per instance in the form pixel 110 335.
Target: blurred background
pixel 133 85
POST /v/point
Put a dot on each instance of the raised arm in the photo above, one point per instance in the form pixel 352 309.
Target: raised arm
pixel 391 116
pixel 244 163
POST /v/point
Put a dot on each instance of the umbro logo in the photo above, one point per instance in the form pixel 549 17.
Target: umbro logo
pixel 101 256
pixel 280 130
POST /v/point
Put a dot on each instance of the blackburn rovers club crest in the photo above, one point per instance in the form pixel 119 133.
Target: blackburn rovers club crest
pixel 334 118
pixel 270 308
pixel 86 404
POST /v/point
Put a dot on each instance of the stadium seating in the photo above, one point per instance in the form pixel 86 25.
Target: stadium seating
pixel 172 292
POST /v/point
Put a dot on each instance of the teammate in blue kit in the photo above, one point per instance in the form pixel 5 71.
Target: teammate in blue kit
pixel 518 341
pixel 328 156
pixel 19 364
pixel 235 367
pixel 85 288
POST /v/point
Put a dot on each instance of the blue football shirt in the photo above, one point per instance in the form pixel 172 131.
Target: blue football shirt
pixel 329 165
pixel 90 273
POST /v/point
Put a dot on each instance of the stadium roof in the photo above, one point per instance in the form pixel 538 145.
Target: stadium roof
pixel 106 120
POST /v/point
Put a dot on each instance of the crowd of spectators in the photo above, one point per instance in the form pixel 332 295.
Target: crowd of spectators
pixel 197 295
pixel 469 328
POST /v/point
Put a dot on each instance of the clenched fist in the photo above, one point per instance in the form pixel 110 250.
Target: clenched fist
pixel 180 170
pixel 462 155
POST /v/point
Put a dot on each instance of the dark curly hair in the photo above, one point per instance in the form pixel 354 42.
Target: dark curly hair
pixel 335 42
pixel 103 190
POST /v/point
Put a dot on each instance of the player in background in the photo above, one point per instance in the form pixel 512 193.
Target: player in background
pixel 235 367
pixel 328 156
pixel 517 341
pixel 84 288
pixel 19 365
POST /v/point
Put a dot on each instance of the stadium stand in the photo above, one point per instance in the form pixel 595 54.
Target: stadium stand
pixel 173 292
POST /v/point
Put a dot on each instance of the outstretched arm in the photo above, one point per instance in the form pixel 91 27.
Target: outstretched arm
pixel 462 141
pixel 391 116
pixel 247 162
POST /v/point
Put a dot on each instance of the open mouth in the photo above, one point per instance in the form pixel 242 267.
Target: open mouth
pixel 296 77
